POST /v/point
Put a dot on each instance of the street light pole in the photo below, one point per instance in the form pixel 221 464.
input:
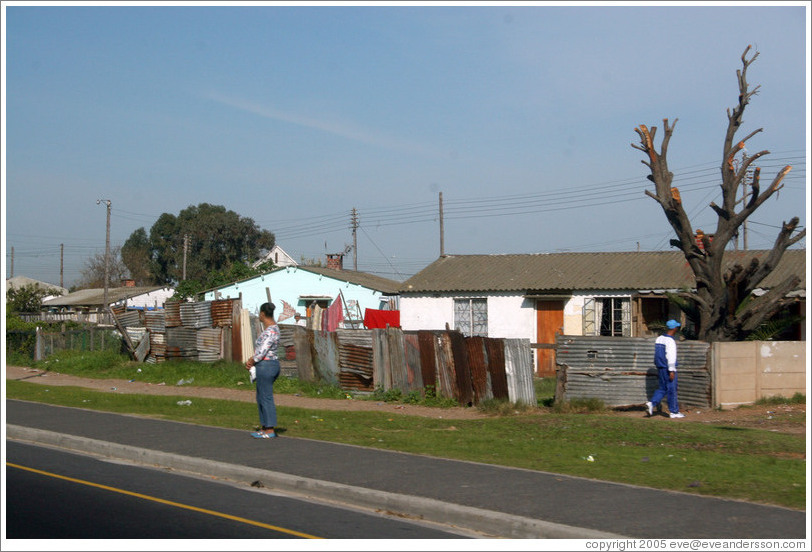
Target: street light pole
pixel 106 255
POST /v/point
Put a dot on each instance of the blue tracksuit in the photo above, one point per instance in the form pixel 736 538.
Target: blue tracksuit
pixel 665 359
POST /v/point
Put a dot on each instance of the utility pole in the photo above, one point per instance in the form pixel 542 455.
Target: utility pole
pixel 442 235
pixel 61 264
pixel 354 222
pixel 743 201
pixel 12 262
pixel 185 250
pixel 106 255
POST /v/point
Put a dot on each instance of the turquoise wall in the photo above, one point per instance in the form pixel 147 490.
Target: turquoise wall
pixel 289 284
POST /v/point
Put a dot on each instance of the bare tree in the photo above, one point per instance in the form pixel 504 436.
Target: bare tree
pixel 726 309
pixel 93 273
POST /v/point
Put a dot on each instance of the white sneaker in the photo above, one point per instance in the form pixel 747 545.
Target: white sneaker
pixel 676 415
pixel 650 409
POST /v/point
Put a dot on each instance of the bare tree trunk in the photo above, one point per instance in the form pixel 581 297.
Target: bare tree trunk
pixel 722 294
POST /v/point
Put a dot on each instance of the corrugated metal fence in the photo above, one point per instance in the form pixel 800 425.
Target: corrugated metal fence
pixel 469 370
pixel 204 331
pixel 620 370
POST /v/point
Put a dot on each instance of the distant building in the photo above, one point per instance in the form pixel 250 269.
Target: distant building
pixel 278 256
pixel 86 304
pixel 18 282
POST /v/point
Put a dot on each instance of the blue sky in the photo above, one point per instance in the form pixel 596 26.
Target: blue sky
pixel 521 115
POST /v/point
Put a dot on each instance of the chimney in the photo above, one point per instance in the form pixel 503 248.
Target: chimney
pixel 335 261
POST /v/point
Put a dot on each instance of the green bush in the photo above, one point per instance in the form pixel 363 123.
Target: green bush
pixel 391 395
pixel 797 398
pixel 502 407
pixel 579 406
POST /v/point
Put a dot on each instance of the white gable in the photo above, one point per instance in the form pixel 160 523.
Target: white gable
pixel 278 256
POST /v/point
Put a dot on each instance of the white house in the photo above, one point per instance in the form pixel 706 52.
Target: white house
pixel 278 256
pixel 19 282
pixel 538 296
pixel 302 287
pixel 131 297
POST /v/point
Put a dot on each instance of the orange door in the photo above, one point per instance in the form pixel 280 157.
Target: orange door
pixel 549 322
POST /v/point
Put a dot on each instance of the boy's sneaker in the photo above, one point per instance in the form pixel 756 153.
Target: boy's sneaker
pixel 650 409
pixel 676 415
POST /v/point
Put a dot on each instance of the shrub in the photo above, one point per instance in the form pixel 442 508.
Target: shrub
pixel 502 407
pixel 797 398
pixel 579 406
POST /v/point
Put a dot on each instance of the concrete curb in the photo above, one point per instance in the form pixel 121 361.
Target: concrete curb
pixel 474 519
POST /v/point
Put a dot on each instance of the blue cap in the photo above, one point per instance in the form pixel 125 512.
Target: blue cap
pixel 672 324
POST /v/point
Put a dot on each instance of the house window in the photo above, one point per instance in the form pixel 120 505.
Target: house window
pixel 608 316
pixel 471 316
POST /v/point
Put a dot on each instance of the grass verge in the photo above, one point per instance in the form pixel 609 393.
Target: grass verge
pixel 747 464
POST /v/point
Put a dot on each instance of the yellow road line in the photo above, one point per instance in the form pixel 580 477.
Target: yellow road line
pixel 168 502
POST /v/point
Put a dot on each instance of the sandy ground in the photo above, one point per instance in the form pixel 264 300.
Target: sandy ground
pixel 781 418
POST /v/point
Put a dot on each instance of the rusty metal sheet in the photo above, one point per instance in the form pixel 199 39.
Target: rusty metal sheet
pixel 181 342
pixel 496 367
pixel 411 349
pixel 446 371
pixel 478 364
pixel 172 314
pixel 222 313
pixel 155 321
pixel 428 357
pixel 354 382
pixel 465 388
pixel 357 360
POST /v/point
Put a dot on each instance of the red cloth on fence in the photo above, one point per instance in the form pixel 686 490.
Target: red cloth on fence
pixel 380 318
pixel 333 316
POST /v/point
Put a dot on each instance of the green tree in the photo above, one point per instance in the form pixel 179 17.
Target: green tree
pixel 135 254
pixel 216 239
pixel 27 298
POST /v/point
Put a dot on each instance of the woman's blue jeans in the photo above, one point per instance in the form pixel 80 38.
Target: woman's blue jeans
pixel 267 372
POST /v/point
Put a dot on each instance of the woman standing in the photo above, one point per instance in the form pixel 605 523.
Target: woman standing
pixel 267 369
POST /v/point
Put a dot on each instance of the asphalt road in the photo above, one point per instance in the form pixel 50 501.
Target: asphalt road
pixel 71 496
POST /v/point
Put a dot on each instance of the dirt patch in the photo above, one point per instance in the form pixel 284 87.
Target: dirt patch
pixel 784 418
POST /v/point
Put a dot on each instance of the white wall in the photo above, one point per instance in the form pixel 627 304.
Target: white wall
pixel 509 316
pixel 288 284
pixel 151 299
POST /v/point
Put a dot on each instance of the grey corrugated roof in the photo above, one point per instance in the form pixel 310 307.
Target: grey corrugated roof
pixel 551 272
pixel 371 281
pixel 95 297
